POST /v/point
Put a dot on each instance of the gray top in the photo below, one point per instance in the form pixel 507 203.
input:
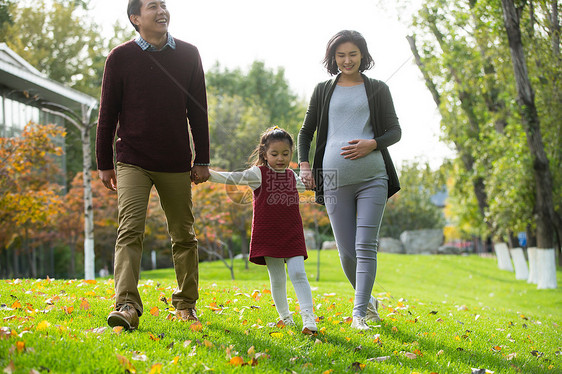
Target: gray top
pixel 348 119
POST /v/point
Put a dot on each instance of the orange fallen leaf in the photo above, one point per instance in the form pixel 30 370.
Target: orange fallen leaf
pixel 175 360
pixel 196 326
pixel 16 305
pixel 20 346
pixel 84 305
pixel 236 361
pixel 68 310
pixel 418 352
pixel 118 329
pixel 152 337
pixel 155 311
pixel 90 281
pixel 496 348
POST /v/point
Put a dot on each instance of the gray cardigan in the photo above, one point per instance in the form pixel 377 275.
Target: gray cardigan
pixel 383 119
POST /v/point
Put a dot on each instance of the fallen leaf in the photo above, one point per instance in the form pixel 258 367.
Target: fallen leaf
pixel 196 326
pixel 379 359
pixel 275 334
pixel 155 369
pixel 43 325
pixel 357 366
pixel 84 305
pixel 20 346
pixel 411 356
pixel 511 356
pixel 118 329
pixel 208 344
pixel 16 305
pixel 152 337
pixel 139 357
pixel 155 311
pixel 175 360
pixel 236 361
pixel 10 368
pixel 126 363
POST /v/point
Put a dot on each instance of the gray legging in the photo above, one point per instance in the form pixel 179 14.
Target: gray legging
pixel 355 213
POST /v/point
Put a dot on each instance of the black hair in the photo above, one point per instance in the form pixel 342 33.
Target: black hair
pixel 269 136
pixel 345 36
pixel 134 7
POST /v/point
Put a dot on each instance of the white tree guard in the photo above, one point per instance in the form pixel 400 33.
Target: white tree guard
pixel 533 268
pixel 520 263
pixel 89 256
pixel 546 261
pixel 502 254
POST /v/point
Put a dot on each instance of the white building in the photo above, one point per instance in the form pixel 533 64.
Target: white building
pixel 23 88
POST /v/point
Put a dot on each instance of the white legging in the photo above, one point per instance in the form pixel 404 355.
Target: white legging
pixel 278 279
pixel 355 213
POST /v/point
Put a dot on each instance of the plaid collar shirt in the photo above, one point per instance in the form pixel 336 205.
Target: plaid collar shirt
pixel 146 46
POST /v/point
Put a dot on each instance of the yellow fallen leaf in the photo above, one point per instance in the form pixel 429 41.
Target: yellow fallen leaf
pixel 43 325
pixel 155 369
pixel 126 363
pixel 175 360
pixel 208 344
pixel 275 334
pixel 118 329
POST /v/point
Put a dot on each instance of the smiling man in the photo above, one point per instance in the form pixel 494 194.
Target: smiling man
pixel 153 94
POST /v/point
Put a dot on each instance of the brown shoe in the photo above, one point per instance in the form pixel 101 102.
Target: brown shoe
pixel 189 314
pixel 127 317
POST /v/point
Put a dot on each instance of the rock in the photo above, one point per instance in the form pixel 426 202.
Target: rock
pixel 329 245
pixel 391 245
pixel 422 241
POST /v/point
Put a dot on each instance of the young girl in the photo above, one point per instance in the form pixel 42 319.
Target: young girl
pixel 277 232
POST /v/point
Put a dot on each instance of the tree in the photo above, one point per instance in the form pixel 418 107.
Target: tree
pixel 27 196
pixel 412 208
pixel 465 57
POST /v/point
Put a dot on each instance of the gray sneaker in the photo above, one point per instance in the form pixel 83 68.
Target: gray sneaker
pixel 309 323
pixel 359 324
pixel 288 321
pixel 372 314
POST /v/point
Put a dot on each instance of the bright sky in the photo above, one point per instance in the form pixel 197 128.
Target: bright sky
pixel 293 34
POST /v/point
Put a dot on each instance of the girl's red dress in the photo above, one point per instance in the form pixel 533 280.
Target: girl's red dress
pixel 277 224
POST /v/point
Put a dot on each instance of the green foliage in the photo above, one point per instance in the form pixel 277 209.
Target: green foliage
pixel 412 208
pixel 459 320
pixel 242 105
pixel 465 52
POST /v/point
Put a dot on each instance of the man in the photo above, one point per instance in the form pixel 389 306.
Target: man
pixel 151 87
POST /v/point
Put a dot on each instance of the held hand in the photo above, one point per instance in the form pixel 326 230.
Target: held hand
pixel 306 176
pixel 108 179
pixel 200 174
pixel 358 148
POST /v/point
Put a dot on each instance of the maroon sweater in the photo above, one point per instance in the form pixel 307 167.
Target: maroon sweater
pixel 152 100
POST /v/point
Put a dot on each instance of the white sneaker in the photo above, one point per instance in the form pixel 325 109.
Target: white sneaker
pixel 288 321
pixel 372 314
pixel 359 323
pixel 309 322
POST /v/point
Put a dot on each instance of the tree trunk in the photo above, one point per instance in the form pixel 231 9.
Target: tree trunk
pixel 465 154
pixel 546 219
pixel 89 255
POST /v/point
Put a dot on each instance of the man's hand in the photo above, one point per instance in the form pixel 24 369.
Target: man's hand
pixel 199 174
pixel 358 148
pixel 108 178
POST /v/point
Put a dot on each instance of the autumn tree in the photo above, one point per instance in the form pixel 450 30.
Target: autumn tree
pixel 28 197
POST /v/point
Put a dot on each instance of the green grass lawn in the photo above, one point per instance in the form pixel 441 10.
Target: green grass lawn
pixel 441 314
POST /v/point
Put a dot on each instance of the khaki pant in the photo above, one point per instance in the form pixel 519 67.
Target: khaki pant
pixel 133 192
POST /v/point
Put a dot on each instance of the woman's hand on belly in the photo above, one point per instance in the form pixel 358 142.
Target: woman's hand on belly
pixel 358 148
